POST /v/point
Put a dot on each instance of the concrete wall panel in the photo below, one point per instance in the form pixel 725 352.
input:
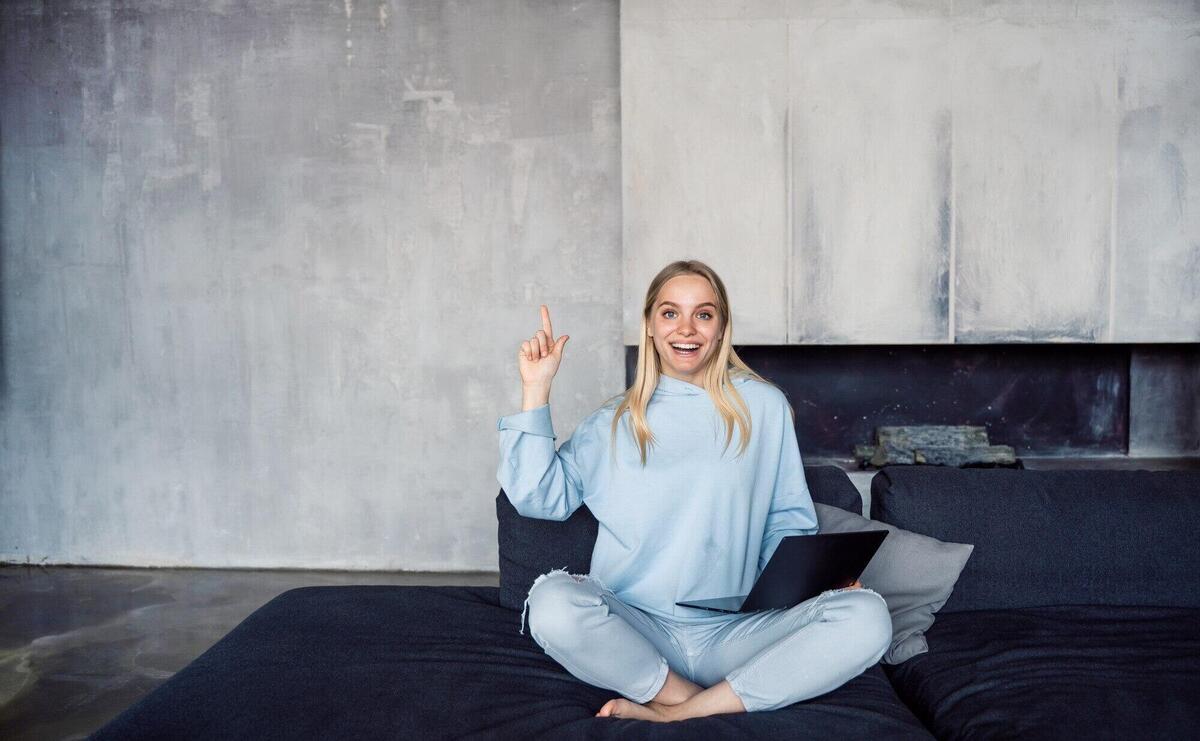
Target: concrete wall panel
pixel 704 163
pixel 1033 159
pixel 1156 296
pixel 871 180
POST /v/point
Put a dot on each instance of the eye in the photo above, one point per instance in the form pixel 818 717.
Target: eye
pixel 708 314
pixel 668 311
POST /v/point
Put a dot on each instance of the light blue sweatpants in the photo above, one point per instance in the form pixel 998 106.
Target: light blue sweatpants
pixel 771 658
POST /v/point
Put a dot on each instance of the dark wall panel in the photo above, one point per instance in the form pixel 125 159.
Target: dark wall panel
pixel 1040 399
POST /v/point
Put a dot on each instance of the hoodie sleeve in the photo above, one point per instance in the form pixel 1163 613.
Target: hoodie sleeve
pixel 792 511
pixel 540 482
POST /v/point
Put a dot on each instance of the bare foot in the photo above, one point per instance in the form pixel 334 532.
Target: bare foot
pixel 622 708
pixel 720 698
pixel 676 690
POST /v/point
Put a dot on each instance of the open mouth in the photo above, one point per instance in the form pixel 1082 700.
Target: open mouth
pixel 686 349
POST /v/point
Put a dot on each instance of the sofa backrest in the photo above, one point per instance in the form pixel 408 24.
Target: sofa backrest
pixel 531 547
pixel 1083 537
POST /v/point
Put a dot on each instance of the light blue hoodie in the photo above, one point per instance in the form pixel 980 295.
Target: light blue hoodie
pixel 696 522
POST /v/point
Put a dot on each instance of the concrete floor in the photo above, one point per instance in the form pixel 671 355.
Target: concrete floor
pixel 79 645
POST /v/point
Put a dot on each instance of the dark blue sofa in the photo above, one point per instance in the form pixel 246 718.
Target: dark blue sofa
pixel 1077 614
pixel 1053 631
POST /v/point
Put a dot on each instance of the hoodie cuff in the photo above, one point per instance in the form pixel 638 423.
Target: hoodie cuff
pixel 535 421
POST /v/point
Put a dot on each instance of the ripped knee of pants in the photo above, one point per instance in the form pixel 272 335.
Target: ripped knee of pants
pixel 577 577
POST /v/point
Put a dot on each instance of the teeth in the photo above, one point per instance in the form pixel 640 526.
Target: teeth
pixel 685 347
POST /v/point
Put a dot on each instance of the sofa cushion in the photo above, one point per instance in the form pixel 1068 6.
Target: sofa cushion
pixel 436 662
pixel 530 547
pixel 830 485
pixel 1054 537
pixel 1058 672
pixel 914 574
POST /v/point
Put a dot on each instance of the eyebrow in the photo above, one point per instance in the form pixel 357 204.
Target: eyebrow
pixel 671 303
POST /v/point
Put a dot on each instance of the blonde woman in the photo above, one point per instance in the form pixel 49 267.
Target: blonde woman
pixel 695 476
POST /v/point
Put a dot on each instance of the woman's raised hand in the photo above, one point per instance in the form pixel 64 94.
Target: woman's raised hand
pixel 541 354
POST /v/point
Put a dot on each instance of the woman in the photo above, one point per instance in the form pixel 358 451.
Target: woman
pixel 696 517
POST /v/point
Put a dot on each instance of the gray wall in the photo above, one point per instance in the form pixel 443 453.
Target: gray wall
pixel 928 171
pixel 920 171
pixel 266 266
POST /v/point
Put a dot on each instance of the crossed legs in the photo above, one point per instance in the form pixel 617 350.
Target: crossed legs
pixel 759 661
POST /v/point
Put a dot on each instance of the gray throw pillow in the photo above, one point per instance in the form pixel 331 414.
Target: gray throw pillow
pixel 914 574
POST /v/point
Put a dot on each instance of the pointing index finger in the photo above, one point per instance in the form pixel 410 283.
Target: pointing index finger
pixel 546 324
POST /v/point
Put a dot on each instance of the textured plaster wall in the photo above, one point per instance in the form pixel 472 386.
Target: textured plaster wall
pixel 265 267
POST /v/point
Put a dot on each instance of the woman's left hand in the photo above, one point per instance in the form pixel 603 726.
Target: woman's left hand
pixel 856 585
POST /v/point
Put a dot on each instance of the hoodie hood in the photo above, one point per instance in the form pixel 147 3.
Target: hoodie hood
pixel 671 386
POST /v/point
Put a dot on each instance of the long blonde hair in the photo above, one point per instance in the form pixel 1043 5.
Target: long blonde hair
pixel 718 374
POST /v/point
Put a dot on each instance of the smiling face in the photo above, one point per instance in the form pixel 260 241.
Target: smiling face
pixel 685 312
